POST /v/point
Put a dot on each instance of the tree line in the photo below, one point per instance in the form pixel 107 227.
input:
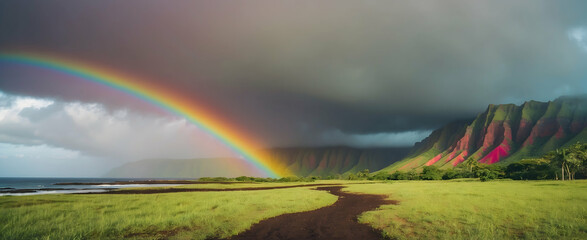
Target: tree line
pixel 562 164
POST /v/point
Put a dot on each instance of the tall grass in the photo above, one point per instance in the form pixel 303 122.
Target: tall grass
pixel 480 210
pixel 196 215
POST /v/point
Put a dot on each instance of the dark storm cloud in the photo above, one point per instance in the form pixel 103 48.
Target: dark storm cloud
pixel 291 71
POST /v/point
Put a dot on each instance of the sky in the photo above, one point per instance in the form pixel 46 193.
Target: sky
pixel 289 73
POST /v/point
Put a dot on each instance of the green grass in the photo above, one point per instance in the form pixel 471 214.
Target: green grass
pixel 480 210
pixel 197 215
pixel 458 209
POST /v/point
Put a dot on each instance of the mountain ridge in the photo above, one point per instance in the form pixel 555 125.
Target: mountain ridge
pixel 502 134
pixel 329 161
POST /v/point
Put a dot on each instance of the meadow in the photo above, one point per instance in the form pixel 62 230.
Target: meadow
pixel 194 215
pixel 470 209
pixel 457 209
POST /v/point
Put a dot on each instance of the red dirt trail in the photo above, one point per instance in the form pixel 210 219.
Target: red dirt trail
pixel 337 221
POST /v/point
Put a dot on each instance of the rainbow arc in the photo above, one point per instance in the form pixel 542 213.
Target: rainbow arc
pixel 227 133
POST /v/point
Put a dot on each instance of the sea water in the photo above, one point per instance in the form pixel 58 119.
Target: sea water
pixel 47 185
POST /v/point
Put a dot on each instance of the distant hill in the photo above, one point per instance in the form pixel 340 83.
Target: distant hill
pixel 503 134
pixel 185 168
pixel 321 161
pixel 328 161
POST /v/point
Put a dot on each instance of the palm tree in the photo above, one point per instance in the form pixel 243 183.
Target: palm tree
pixel 576 159
pixel 570 160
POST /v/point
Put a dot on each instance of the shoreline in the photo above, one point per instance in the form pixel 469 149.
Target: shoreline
pixel 101 187
pixel 145 182
pixel 46 191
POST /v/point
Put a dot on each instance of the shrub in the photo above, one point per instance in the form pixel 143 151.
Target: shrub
pixel 290 179
pixel 431 173
pixel 451 174
pixel 413 175
pixel 244 179
pixel 530 169
pixel 399 175
pixel 215 179
pixel 381 176
pixel 363 174
pixel 486 175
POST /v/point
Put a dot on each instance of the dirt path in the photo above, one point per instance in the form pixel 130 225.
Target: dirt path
pixel 337 221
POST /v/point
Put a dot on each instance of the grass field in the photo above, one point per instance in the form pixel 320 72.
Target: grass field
pixel 461 209
pixel 480 210
pixel 198 215
pixel 243 185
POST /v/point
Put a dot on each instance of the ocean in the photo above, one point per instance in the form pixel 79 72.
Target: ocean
pixel 10 186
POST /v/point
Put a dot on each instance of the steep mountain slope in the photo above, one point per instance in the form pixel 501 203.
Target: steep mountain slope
pixel 503 134
pixel 184 168
pixel 327 161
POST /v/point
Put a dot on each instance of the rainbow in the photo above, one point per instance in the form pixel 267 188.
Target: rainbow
pixel 161 97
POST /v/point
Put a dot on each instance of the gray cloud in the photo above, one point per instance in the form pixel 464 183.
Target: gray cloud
pixel 396 139
pixel 46 161
pixel 91 130
pixel 289 71
pixel 579 36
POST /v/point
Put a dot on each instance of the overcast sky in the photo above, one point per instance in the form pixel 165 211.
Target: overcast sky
pixel 292 73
